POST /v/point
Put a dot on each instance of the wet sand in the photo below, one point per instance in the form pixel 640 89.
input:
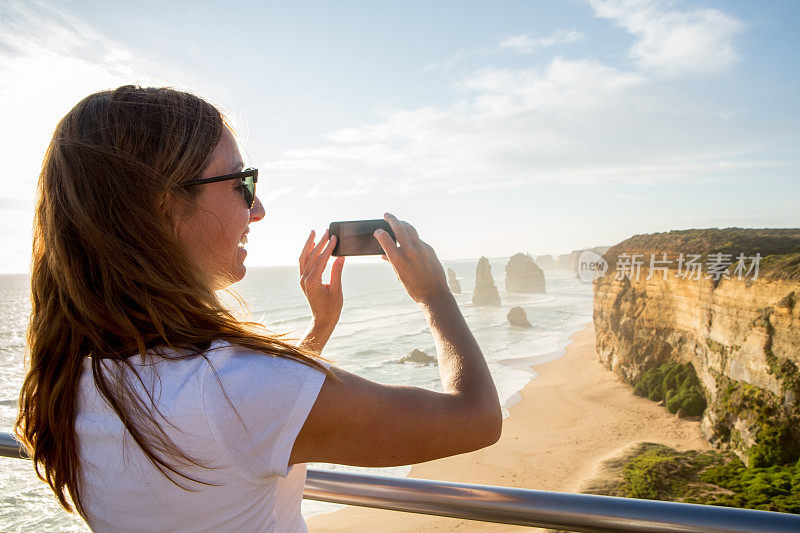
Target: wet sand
pixel 571 418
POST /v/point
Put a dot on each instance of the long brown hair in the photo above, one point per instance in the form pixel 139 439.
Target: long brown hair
pixel 109 277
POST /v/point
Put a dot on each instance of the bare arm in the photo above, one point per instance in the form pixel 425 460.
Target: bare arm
pixel 462 367
pixel 316 337
pixel 359 422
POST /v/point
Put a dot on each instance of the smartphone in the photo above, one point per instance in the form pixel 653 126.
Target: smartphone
pixel 355 237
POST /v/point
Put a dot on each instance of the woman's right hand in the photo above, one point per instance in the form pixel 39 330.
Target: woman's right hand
pixel 413 260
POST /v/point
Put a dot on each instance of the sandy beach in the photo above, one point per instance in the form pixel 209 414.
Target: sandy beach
pixel 571 418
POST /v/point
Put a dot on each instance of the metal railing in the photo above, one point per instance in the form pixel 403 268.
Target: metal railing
pixel 559 510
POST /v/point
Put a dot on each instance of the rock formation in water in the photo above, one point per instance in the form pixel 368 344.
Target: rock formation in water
pixel 562 261
pixel 452 281
pixel 418 356
pixel 742 336
pixel 485 292
pixel 517 317
pixel 523 275
pixel 573 260
pixel 545 262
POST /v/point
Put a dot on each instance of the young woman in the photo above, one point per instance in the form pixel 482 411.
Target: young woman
pixel 147 405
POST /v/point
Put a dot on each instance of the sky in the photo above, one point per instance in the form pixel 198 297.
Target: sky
pixel 492 127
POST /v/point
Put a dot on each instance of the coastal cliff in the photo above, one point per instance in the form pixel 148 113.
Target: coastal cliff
pixel 741 334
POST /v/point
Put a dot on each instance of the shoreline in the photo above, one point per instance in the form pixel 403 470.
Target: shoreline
pixel 571 418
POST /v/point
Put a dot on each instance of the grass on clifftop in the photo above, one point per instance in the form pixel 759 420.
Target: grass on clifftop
pixel 657 472
pixel 779 247
pixel 677 385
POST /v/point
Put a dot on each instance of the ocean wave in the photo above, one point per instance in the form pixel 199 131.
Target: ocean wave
pixel 421 331
pixel 396 316
pixel 350 334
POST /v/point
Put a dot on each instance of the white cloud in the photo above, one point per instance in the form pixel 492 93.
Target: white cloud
pixel 568 121
pixel 453 60
pixel 526 44
pixel 58 32
pixel 523 44
pixel 563 84
pixel 673 42
pixel 43 73
pixel 572 122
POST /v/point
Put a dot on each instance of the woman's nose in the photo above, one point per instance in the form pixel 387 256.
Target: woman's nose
pixel 257 211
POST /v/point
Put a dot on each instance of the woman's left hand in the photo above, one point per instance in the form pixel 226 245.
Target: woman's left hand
pixel 325 299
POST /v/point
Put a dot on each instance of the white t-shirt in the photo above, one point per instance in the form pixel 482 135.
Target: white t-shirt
pixel 250 487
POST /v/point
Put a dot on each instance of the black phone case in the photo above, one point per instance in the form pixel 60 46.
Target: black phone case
pixel 365 243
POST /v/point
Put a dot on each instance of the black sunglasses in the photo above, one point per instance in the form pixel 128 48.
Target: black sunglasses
pixel 249 177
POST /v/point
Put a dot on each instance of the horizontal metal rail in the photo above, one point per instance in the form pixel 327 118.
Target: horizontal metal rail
pixel 559 510
pixel 10 447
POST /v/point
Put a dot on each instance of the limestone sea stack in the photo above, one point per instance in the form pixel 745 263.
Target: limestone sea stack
pixel 523 275
pixel 418 356
pixel 517 317
pixel 573 260
pixel 545 262
pixel 485 292
pixel 562 261
pixel 452 281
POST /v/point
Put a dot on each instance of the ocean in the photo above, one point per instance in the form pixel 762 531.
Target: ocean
pixel 379 325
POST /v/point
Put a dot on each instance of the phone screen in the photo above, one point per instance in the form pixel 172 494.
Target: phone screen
pixel 355 237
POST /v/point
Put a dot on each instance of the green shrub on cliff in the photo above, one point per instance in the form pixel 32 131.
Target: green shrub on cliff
pixel 677 385
pixel 657 472
pixel 777 439
pixel 775 445
pixel 691 401
pixel 776 488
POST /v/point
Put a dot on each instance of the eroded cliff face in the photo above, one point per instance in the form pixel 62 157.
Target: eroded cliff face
pixel 741 336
